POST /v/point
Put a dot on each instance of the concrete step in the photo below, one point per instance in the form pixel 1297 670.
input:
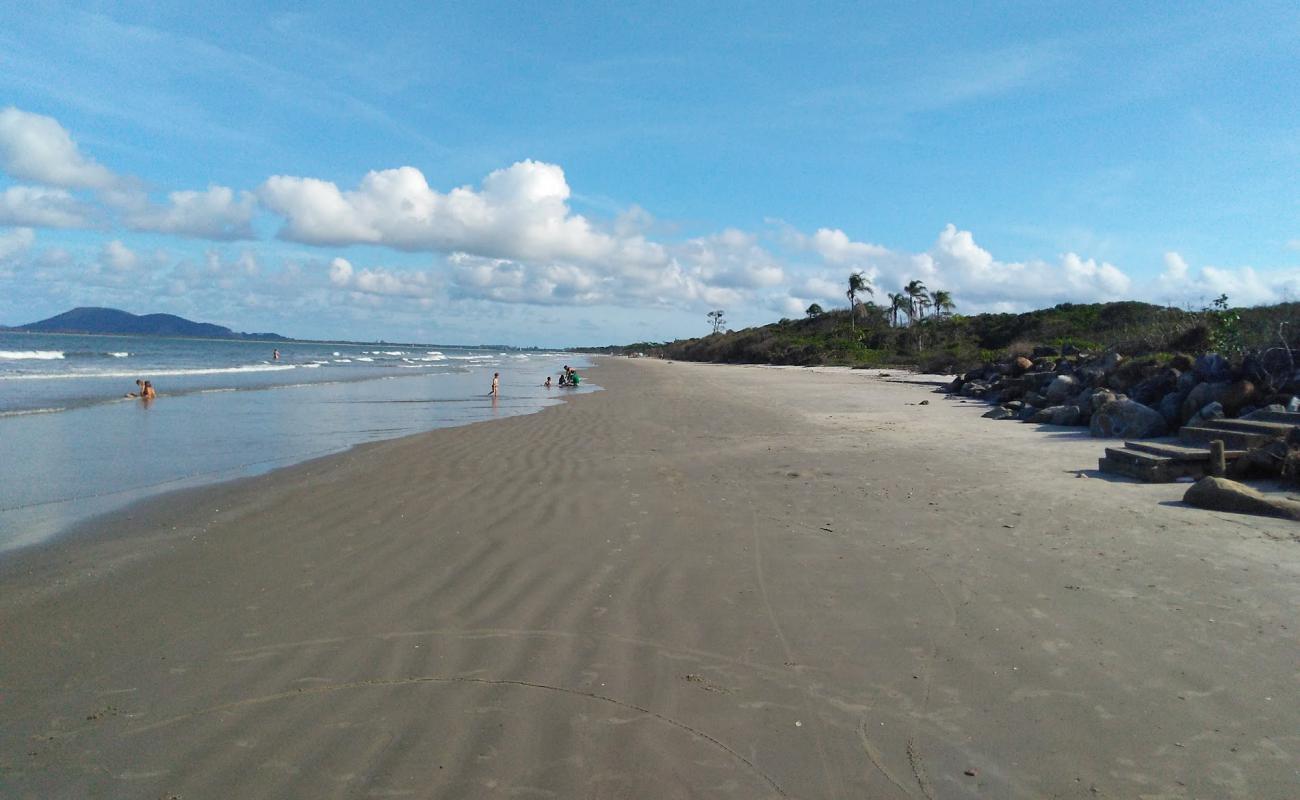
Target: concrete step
pixel 1131 469
pixel 1178 451
pixel 1232 439
pixel 1153 467
pixel 1290 417
pixel 1275 430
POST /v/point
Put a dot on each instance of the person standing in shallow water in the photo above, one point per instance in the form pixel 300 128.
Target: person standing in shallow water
pixel 496 385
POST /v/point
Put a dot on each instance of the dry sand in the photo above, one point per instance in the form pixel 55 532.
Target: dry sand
pixel 703 582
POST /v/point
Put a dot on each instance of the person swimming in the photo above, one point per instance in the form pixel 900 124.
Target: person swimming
pixel 548 382
pixel 147 392
pixel 139 389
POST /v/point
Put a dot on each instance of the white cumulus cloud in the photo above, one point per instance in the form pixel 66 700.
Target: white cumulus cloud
pixel 380 281
pixel 37 148
pixel 42 207
pixel 218 213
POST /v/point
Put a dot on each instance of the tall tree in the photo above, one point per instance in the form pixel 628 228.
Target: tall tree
pixel 916 292
pixel 942 300
pixel 898 303
pixel 716 320
pixel 814 310
pixel 858 284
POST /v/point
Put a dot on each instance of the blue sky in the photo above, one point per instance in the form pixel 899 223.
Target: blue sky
pixel 602 173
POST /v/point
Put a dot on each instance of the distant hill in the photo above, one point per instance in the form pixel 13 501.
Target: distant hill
pixel 114 321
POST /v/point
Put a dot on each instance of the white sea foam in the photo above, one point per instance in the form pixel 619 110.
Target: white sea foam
pixel 342 360
pixel 119 355
pixel 364 358
pixel 26 411
pixel 31 355
pixel 162 373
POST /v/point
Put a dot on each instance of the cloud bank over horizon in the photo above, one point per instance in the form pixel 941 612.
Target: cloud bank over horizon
pixel 513 240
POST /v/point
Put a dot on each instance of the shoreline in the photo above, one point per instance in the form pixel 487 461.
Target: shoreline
pixel 119 521
pixel 704 579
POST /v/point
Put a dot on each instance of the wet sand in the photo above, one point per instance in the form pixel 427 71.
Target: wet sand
pixel 704 581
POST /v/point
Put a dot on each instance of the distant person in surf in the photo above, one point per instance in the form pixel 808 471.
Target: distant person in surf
pixel 147 393
pixel 275 355
pixel 496 384
pixel 548 382
pixel 139 389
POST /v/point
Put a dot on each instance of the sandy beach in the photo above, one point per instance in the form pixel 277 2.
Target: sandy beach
pixel 704 581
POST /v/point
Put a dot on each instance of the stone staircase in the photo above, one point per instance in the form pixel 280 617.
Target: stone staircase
pixel 1162 462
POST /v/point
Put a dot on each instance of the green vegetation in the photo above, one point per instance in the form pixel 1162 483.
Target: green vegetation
pixel 943 341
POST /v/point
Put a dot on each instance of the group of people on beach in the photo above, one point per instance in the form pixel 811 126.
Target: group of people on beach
pixel 569 377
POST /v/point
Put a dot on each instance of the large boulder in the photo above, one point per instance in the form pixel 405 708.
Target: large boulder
pixel 1020 365
pixel 1061 388
pixel 1150 391
pixel 1065 415
pixel 1212 368
pixel 1238 395
pixel 1171 408
pixel 1203 395
pixel 1221 494
pixel 1001 412
pixel 1209 412
pixel 1127 419
pixel 1092 400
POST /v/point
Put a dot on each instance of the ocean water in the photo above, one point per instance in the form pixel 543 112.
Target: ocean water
pixel 73 446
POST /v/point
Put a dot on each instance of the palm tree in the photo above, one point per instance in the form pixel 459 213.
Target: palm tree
pixel 857 284
pixel 897 305
pixel 943 304
pixel 814 310
pixel 916 292
pixel 716 320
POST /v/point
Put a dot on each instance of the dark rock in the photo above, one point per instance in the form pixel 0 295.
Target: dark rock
pixel 1061 388
pixel 1221 494
pixel 1091 375
pixel 1149 391
pixel 1210 411
pixel 1001 412
pixel 1212 368
pixel 1182 362
pixel 1026 412
pixel 1065 415
pixel 1187 382
pixel 1014 405
pixel 1127 419
pixel 1171 408
pixel 1043 351
pixel 1034 399
pixel 1069 350
pixel 1238 394
pixel 1262 462
pixel 1203 395
pixel 1099 398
